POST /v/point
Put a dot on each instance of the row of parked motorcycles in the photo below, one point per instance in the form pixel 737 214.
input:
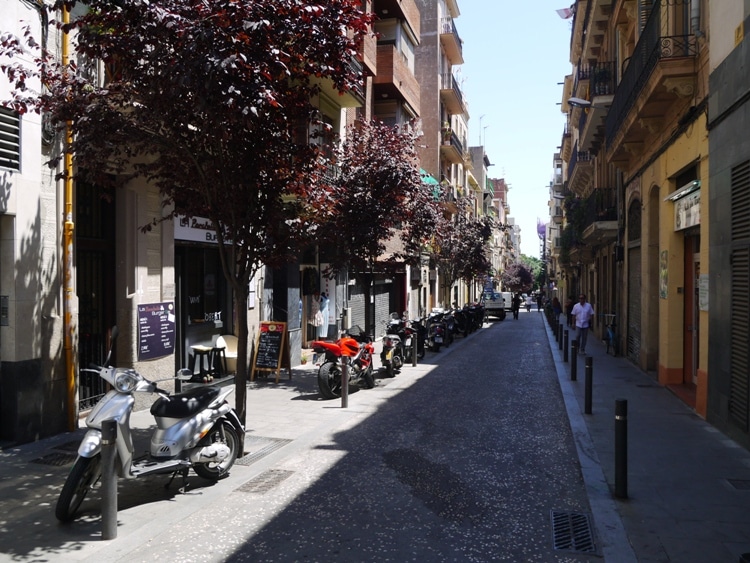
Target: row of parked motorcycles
pixel 403 339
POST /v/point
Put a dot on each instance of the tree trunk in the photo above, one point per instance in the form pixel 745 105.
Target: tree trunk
pixel 240 380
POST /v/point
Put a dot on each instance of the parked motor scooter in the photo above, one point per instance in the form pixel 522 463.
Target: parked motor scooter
pixel 392 355
pixel 436 330
pixel 196 429
pixel 416 333
pixel 357 346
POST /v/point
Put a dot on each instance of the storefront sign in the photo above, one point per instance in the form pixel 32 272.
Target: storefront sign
pixel 195 229
pixel 687 211
pixel 156 330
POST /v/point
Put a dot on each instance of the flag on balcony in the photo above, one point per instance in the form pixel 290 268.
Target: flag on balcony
pixel 566 13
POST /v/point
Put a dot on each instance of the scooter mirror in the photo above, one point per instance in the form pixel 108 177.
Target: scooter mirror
pixel 114 334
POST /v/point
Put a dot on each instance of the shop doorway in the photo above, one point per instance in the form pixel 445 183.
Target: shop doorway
pixel 691 327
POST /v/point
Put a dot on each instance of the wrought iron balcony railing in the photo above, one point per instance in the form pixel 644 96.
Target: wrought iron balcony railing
pixel 666 35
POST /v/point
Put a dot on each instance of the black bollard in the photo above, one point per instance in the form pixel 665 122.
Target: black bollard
pixel 573 359
pixel 414 346
pixel 109 480
pixel 565 345
pixel 621 448
pixel 344 382
pixel 589 371
pixel 560 337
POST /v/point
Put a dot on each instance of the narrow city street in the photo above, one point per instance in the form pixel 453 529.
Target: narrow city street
pixel 465 461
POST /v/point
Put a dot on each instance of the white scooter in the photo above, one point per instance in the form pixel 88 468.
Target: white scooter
pixel 197 428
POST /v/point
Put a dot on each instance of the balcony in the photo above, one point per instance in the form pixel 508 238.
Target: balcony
pixel 406 10
pixel 600 217
pixel 661 72
pixel 447 196
pixel 394 78
pixel 557 215
pixel 451 148
pixel 368 53
pixel 450 94
pixel 451 42
pixel 580 171
pixel 352 98
pixel 591 120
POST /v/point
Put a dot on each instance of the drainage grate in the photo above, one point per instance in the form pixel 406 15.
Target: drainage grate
pixel 69 446
pixel 58 459
pixel 260 447
pixel 740 484
pixel 265 481
pixel 572 531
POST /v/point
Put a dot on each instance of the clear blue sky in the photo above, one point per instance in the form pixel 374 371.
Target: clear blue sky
pixel 515 56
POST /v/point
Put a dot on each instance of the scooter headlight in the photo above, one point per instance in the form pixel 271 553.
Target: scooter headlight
pixel 126 380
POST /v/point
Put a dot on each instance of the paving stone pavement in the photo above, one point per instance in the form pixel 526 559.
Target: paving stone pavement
pixel 481 453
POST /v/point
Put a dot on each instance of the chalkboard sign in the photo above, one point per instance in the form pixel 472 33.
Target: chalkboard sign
pixel 156 330
pixel 271 349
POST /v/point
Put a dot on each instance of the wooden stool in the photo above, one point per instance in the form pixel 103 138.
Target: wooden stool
pixel 219 358
pixel 199 353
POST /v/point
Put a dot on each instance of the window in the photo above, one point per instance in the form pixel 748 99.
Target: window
pixel 10 145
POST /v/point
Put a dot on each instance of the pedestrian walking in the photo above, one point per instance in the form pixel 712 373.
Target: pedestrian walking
pixel 556 308
pixel 539 300
pixel 569 311
pixel 516 305
pixel 583 313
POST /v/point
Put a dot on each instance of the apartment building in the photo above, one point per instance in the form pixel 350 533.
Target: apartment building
pixel 728 215
pixel 445 154
pixel 636 161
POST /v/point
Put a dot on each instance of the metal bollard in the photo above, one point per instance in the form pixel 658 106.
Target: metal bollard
pixel 344 382
pixel 560 337
pixel 565 346
pixel 589 371
pixel 109 480
pixel 414 346
pixel 621 448
pixel 574 359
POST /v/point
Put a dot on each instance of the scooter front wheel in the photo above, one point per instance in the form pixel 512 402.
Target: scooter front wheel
pixel 222 433
pixel 82 477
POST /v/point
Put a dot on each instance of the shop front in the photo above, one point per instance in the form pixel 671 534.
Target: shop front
pixel 204 297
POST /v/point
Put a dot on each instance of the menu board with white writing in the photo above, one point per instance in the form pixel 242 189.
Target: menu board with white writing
pixel 271 349
pixel 156 330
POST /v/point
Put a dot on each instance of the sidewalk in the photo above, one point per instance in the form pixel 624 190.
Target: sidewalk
pixel 688 485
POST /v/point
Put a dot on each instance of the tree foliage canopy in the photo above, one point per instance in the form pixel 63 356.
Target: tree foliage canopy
pixel 213 102
pixel 517 277
pixel 461 246
pixel 375 195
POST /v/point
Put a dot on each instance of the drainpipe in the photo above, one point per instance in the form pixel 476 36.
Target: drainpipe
pixel 695 17
pixel 70 375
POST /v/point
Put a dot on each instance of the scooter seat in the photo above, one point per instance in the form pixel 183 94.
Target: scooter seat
pixel 184 404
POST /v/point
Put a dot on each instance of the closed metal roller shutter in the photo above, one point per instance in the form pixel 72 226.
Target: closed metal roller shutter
pixel 739 390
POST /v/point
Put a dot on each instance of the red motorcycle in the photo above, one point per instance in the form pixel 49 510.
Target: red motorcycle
pixel 357 346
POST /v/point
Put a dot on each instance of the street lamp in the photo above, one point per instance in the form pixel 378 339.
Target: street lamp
pixel 584 104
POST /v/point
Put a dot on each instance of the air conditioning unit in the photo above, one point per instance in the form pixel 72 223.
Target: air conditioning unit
pixel 347 320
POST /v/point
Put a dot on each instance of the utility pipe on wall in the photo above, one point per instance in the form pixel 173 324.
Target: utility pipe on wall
pixel 68 298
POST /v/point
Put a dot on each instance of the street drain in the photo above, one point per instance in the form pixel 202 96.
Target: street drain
pixel 260 447
pixel 571 531
pixel 265 481
pixel 58 459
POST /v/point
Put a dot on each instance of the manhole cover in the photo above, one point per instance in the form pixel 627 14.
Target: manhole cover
pixel 571 531
pixel 740 484
pixel 58 459
pixel 259 447
pixel 265 481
